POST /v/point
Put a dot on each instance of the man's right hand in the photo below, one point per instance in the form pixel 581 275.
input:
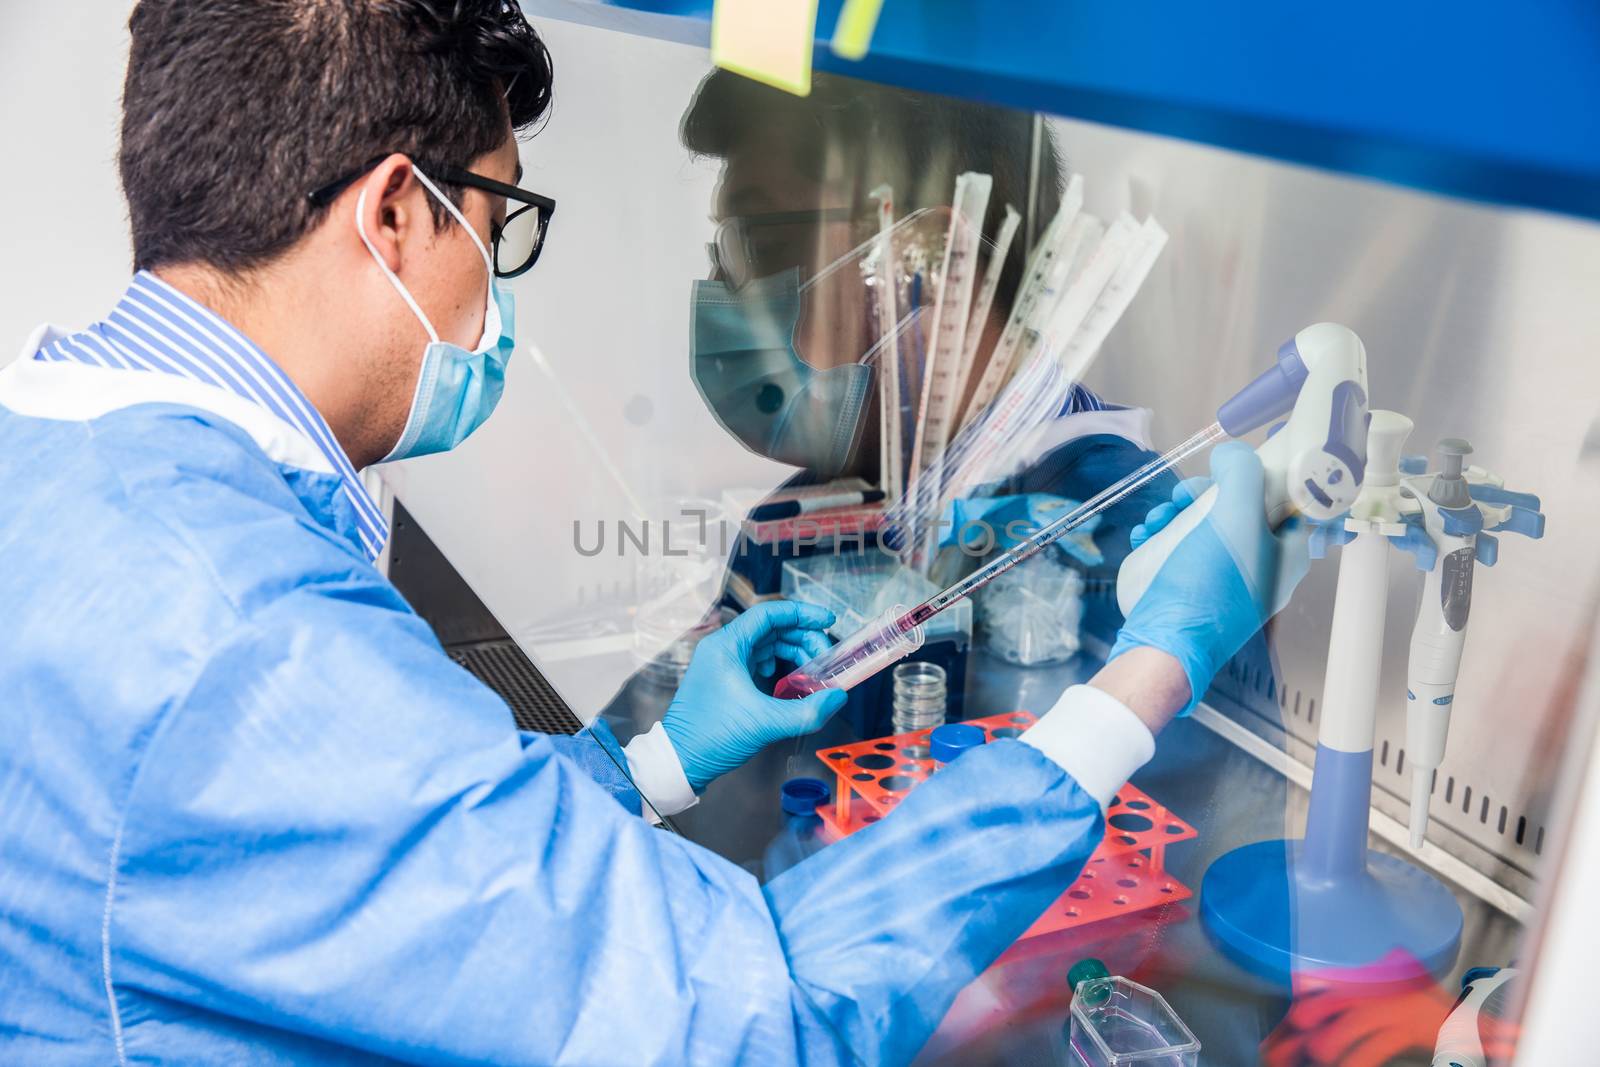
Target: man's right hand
pixel 1226 578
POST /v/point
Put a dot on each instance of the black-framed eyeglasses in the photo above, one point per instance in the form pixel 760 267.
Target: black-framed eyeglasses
pixel 750 246
pixel 516 243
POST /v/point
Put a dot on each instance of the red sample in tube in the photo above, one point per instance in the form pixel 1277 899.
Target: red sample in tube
pixel 796 684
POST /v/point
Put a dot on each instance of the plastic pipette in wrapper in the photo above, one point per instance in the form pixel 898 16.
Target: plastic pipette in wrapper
pixel 889 459
pixel 1317 355
pixel 1045 275
pixel 947 340
pixel 1078 285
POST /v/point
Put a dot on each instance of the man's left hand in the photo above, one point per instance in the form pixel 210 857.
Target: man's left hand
pixel 718 719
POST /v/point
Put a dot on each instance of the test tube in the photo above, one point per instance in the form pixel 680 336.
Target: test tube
pixel 858 657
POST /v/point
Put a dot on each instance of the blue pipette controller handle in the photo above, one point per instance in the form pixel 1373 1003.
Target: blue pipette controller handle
pixel 1314 464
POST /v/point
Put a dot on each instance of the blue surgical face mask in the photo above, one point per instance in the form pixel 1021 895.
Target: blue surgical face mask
pixel 457 389
pixel 743 361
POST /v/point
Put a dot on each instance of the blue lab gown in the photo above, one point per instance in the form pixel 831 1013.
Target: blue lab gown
pixel 251 812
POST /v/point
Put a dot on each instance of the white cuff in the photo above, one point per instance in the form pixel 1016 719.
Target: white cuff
pixel 1093 736
pixel 657 774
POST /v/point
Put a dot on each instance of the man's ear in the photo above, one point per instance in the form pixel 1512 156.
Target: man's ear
pixel 382 210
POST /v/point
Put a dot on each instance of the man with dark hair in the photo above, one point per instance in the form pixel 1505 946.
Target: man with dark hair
pixel 249 810
pixel 800 177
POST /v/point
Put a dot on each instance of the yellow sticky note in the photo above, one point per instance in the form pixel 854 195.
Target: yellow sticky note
pixel 768 40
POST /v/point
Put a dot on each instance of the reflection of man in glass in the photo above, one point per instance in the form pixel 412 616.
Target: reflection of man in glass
pixel 795 196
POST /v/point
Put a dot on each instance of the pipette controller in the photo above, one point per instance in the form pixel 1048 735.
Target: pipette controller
pixel 1330 358
pixel 1314 463
pixel 1457 508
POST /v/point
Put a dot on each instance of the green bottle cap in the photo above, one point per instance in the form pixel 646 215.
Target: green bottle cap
pixel 1087 970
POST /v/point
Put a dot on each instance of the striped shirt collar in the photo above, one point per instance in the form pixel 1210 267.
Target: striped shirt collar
pixel 154 327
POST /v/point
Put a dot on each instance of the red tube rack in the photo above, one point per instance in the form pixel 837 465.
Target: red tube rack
pixel 1127 872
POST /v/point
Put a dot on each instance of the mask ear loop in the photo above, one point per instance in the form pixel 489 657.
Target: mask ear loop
pixel 491 314
pixel 400 287
pixel 405 294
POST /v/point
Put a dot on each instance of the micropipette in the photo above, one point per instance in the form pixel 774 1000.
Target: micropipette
pixel 1454 524
pixel 1273 393
pixel 1461 509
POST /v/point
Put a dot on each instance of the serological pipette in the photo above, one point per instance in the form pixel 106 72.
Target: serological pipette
pixel 897 633
pixel 1270 395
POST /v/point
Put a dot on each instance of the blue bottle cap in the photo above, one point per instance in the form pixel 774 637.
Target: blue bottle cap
pixel 802 796
pixel 950 740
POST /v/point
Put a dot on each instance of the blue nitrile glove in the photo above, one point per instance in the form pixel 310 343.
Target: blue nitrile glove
pixel 718 718
pixel 1226 578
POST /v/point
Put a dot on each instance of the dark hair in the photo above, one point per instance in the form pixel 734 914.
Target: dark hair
pixel 233 110
pixel 916 141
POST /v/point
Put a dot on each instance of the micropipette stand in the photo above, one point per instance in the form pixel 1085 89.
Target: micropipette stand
pixel 1327 904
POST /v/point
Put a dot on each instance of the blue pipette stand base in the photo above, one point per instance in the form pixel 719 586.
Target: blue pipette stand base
pixel 1389 922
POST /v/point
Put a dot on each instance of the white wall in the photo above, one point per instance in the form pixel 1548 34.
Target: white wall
pixel 67 255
